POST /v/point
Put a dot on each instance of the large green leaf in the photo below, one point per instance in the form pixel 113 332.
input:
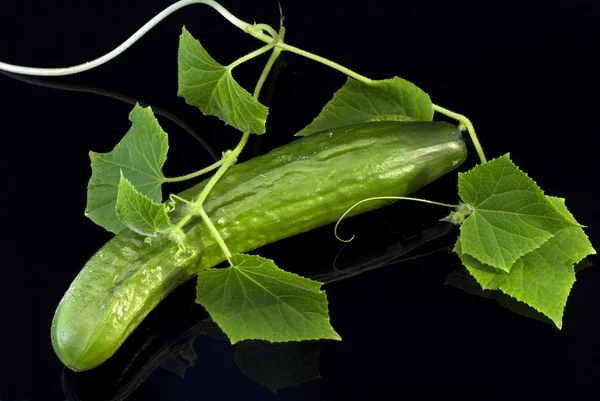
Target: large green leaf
pixel 208 85
pixel 254 299
pixel 511 216
pixel 391 99
pixel 541 278
pixel 140 155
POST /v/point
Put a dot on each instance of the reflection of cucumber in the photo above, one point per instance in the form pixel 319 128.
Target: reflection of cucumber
pixel 173 326
pixel 168 330
pixel 364 254
pixel 295 188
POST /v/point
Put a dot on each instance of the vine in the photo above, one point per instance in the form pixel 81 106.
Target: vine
pixel 499 203
pixel 256 30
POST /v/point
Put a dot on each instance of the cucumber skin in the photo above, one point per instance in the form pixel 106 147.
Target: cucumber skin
pixel 305 184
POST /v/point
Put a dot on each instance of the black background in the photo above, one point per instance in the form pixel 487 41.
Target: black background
pixel 526 73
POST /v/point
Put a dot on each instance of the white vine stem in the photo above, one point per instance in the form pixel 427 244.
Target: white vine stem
pixel 17 69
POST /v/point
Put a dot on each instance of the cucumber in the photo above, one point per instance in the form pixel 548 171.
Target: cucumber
pixel 305 184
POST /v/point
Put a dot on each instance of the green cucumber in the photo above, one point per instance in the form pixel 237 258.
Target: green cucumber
pixel 305 184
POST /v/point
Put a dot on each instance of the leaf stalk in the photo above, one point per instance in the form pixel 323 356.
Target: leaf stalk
pixel 196 173
pixel 230 157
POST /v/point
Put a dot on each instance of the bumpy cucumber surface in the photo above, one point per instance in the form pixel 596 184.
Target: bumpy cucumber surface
pixel 305 184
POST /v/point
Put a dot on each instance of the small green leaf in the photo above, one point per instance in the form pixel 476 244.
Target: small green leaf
pixel 542 278
pixel 208 85
pixel 254 299
pixel 511 215
pixel 138 213
pixel 140 155
pixel 391 99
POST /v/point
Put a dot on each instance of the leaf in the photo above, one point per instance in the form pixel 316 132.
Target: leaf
pixel 561 207
pixel 254 299
pixel 138 213
pixel 511 215
pixel 279 365
pixel 208 85
pixel 385 100
pixel 542 278
pixel 140 155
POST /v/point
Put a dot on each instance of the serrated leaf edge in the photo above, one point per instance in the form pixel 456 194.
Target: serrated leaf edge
pixel 222 113
pixel 543 195
pixel 328 318
pixel 499 287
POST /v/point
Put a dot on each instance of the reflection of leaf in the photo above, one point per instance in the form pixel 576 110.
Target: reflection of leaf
pixel 583 265
pixel 208 85
pixel 511 215
pixel 463 281
pixel 392 99
pixel 370 252
pixel 254 299
pixel 521 308
pixel 279 365
pixel 138 213
pixel 140 155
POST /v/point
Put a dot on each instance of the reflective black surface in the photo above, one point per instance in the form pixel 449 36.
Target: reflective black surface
pixel 526 74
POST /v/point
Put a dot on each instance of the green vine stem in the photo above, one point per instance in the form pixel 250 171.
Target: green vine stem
pixel 229 158
pixel 256 52
pixel 332 64
pixel 322 60
pixel 195 173
pixel 464 121
pixel 265 72
pixel 335 230
pixel 459 117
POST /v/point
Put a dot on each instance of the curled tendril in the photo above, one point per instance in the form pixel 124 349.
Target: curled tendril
pixel 170 204
pixel 462 205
